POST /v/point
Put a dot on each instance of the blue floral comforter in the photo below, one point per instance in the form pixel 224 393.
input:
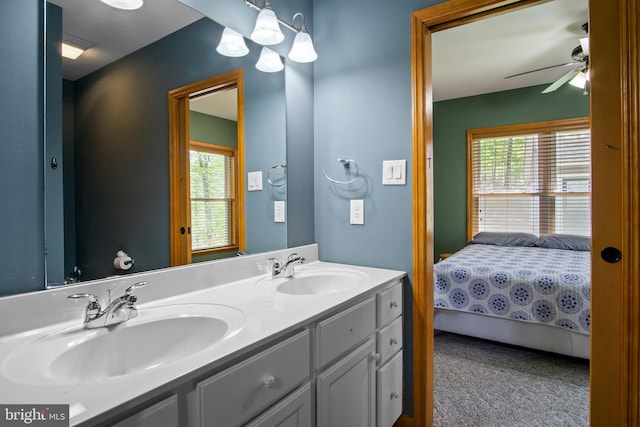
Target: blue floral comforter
pixel 531 284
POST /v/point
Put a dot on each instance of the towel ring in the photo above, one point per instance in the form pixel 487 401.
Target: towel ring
pixel 346 163
pixel 284 171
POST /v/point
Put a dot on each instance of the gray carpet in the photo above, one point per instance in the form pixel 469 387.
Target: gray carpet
pixel 485 384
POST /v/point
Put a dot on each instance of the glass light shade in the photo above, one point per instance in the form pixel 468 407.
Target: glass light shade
pixel 269 61
pixel 124 4
pixel 580 80
pixel 232 44
pixel 302 49
pixel 267 30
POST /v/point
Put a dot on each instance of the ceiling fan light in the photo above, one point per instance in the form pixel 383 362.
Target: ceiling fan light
pixel 267 29
pixel 232 44
pixel 302 49
pixel 580 80
pixel 584 44
pixel 124 4
pixel 269 61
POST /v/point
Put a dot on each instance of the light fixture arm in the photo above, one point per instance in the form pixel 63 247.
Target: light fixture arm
pixel 280 20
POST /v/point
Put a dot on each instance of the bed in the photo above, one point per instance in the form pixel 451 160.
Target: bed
pixel 532 292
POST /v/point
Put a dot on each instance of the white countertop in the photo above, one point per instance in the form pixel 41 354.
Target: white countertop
pixel 268 314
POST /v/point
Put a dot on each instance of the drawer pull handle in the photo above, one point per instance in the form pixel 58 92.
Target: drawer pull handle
pixel 268 381
pixel 393 341
pixel 393 304
pixel 375 356
pixel 394 395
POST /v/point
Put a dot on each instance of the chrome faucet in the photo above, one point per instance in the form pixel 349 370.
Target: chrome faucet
pixel 286 269
pixel 119 310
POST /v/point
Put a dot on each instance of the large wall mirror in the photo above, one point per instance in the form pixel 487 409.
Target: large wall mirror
pixel 107 135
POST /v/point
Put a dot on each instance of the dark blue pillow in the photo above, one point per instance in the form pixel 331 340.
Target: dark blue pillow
pixel 564 241
pixel 504 238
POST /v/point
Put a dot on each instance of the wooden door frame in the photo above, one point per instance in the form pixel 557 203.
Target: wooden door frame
pixel 615 108
pixel 180 210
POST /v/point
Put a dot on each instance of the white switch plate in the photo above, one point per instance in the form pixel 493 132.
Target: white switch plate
pixel 394 172
pixel 357 212
pixel 254 181
pixel 278 211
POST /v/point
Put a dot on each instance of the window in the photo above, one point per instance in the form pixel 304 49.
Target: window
pixel 533 178
pixel 213 197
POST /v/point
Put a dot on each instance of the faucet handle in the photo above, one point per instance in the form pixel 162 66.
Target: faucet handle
pixel 292 256
pixel 93 300
pixel 130 289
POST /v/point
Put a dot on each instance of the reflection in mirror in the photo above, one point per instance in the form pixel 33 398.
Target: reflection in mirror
pixel 113 138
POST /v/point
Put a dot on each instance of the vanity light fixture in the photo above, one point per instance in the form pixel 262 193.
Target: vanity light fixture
pixel 302 49
pixel 269 61
pixel 124 4
pixel 232 44
pixel 267 32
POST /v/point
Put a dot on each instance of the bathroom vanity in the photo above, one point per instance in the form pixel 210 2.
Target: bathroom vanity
pixel 217 344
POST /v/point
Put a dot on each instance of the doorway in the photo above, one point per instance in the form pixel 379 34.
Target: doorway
pixel 615 397
pixel 182 151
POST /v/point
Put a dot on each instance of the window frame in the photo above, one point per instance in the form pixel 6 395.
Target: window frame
pixel 540 128
pixel 234 216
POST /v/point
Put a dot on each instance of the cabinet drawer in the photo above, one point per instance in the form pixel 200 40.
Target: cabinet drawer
pixel 389 304
pixel 344 331
pixel 236 394
pixel 390 340
pixel 294 411
pixel 389 382
pixel 163 413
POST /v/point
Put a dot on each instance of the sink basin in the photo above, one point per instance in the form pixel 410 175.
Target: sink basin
pixel 321 281
pixel 158 336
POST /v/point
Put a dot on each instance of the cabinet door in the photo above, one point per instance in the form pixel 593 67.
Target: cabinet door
pixel 390 391
pixel 294 411
pixel 346 391
pixel 164 413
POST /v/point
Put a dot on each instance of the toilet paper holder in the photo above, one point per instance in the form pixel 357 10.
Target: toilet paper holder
pixel 123 261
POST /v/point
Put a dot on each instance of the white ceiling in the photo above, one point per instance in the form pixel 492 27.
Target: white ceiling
pixel 222 103
pixel 468 60
pixel 473 59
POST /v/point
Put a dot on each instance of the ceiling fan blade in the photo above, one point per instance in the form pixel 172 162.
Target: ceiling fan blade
pixel 540 69
pixel 562 80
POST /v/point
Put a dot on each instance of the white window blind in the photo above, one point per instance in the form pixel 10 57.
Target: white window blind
pixel 213 198
pixel 533 178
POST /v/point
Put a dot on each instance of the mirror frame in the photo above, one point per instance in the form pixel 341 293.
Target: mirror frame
pixel 180 211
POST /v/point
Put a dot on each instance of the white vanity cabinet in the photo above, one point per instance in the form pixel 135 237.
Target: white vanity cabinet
pixel 341 368
pixel 236 394
pixel 389 347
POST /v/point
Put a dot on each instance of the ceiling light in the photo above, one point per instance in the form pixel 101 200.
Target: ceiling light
pixel 302 49
pixel 580 80
pixel 267 30
pixel 269 61
pixel 71 52
pixel 232 44
pixel 124 4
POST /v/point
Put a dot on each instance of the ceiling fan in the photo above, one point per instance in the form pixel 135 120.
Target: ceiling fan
pixel 579 75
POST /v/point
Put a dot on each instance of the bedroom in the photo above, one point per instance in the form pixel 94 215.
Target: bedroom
pixel 471 94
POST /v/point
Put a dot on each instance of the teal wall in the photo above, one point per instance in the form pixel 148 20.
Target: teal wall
pixel 213 130
pixel 452 118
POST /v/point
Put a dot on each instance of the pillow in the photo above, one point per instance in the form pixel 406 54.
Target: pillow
pixel 564 241
pixel 504 239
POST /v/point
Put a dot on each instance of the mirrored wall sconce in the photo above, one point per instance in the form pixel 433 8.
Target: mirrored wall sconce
pixel 269 61
pixel 267 32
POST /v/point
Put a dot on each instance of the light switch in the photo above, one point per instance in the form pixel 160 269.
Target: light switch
pixel 357 212
pixel 394 172
pixel 278 211
pixel 254 181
